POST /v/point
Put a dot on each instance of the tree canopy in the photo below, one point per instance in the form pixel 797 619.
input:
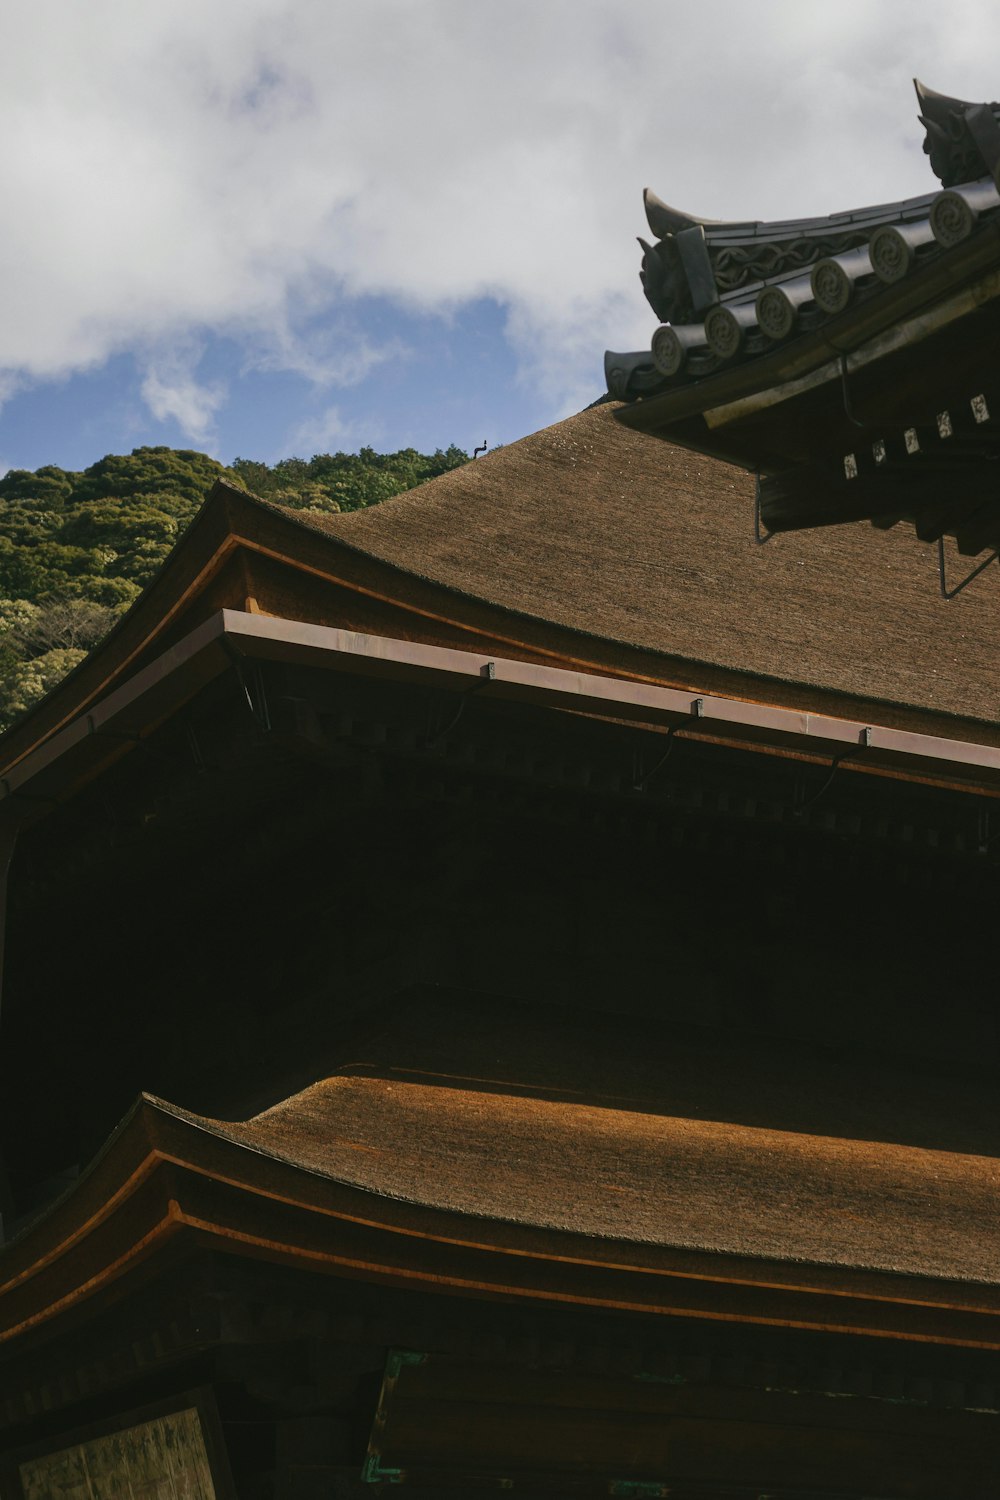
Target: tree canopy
pixel 344 481
pixel 76 548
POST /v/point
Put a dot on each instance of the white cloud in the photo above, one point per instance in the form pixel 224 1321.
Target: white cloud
pixel 241 167
pixel 171 390
pixel 338 353
pixel 329 432
pixel 10 383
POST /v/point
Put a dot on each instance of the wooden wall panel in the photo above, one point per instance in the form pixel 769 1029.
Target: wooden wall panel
pixel 444 1422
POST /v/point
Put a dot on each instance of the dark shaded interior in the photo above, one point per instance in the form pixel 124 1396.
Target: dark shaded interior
pixel 297 1364
pixel 306 874
pixel 371 884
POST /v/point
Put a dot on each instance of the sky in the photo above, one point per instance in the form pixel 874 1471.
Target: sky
pixel 266 228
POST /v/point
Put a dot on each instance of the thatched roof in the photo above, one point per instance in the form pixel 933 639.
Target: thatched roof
pixel 642 1176
pixel 517 1196
pixel 595 548
pixel 584 546
pixel 603 531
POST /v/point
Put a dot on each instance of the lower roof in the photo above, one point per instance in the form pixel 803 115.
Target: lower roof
pixel 615 1173
pixel 647 1185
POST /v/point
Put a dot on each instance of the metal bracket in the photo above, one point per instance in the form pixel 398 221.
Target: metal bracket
pixel 986 838
pixel 195 747
pixel 489 671
pixel 835 764
pixel 759 538
pixel 374 1473
pixel 251 679
pixel 946 592
pixel 846 393
pixel 257 696
pixel 640 783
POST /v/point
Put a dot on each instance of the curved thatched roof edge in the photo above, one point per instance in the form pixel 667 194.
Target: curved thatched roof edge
pixel 595 547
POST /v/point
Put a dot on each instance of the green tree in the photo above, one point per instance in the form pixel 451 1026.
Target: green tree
pixel 76 548
pixel 345 481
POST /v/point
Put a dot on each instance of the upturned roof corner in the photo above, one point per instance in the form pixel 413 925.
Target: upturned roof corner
pixel 846 359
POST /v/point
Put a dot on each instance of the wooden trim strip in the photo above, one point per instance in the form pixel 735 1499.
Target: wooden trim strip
pixel 167 1226
pixel 878 749
pixel 489 1289
pixel 403 1273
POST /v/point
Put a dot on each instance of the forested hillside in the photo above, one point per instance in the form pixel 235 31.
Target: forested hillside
pixel 76 548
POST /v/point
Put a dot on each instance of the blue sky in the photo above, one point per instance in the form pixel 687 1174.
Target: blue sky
pixel 451 379
pixel 275 227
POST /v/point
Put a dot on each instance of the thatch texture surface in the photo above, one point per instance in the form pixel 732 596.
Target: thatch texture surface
pixel 643 1177
pixel 602 530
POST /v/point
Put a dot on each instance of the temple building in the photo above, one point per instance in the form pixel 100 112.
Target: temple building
pixel 521 1013
pixel 848 360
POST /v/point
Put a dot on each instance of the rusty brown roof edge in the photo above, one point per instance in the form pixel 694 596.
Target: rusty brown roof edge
pixel 206 651
pixel 434 1242
pixel 879 1276
pixel 408 1241
pixel 561 633
pixel 216 534
pixel 564 632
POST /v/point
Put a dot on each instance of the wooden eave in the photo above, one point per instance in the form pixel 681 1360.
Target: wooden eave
pixel 166 1175
pixel 242 555
pixel 88 743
